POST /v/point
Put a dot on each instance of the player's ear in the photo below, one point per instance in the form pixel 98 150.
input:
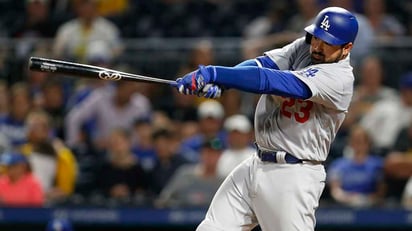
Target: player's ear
pixel 347 48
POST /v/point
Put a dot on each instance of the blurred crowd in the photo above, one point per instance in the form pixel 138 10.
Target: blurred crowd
pixel 72 141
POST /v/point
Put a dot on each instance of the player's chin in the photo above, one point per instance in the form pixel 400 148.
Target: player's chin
pixel 317 61
pixel 316 58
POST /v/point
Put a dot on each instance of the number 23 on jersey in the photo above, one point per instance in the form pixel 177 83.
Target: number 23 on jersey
pixel 299 109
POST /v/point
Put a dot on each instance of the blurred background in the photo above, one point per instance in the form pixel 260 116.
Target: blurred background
pixel 81 154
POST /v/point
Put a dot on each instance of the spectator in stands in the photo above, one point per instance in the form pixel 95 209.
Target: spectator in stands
pixel 12 126
pixel 181 108
pixel 53 102
pixel 366 36
pixel 183 111
pixel 121 175
pixel 210 118
pixel 403 142
pixel 407 6
pixel 201 54
pixel 111 8
pixel 4 99
pixel 384 24
pixel 111 108
pixel 52 162
pixel 44 165
pixel 307 10
pixel 4 111
pixel 270 22
pixel 161 120
pixel 232 102
pixel 5 67
pixel 386 119
pixel 193 185
pixel 398 164
pixel 4 144
pixel 36 79
pixel 36 23
pixel 356 179
pixel 97 54
pixel 142 143
pixel 369 91
pixel 407 195
pixel 167 161
pixel 239 141
pixel 371 88
pixel 268 31
pixel 59 224
pixel 73 37
pixel 19 187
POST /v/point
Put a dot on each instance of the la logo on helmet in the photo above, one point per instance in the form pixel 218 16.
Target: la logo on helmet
pixel 325 23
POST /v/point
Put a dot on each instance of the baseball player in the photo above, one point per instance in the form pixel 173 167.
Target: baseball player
pixel 306 89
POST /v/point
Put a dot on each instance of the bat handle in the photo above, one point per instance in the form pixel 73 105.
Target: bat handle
pixel 173 83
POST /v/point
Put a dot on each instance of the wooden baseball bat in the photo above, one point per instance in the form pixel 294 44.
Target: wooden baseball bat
pixel 88 71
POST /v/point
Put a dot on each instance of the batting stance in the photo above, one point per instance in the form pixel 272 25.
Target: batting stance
pixel 306 89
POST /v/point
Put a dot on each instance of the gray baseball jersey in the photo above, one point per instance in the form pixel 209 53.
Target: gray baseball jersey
pixel 305 128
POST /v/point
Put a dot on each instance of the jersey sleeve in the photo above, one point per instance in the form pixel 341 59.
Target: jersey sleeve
pixel 331 85
pixel 285 57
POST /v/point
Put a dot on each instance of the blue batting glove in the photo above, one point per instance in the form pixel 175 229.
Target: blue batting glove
pixel 211 91
pixel 195 81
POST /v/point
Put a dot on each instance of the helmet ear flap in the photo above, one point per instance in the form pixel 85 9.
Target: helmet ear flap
pixel 308 38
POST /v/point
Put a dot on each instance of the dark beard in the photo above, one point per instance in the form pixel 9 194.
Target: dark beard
pixel 322 58
pixel 315 60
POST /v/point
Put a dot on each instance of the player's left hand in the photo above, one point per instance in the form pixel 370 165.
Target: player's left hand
pixel 211 91
pixel 194 82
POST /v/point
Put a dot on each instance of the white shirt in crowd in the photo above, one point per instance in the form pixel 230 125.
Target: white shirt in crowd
pixel 100 107
pixel 385 120
pixel 44 168
pixel 407 195
pixel 231 158
pixel 72 40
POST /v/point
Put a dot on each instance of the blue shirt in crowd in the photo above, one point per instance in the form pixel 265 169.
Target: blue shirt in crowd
pixel 357 177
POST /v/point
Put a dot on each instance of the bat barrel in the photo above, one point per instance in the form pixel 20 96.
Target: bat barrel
pixel 88 71
pixel 62 67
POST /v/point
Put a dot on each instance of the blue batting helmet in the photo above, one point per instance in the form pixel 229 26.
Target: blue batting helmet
pixel 334 25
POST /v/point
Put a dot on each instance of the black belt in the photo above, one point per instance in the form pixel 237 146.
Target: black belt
pixel 281 157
